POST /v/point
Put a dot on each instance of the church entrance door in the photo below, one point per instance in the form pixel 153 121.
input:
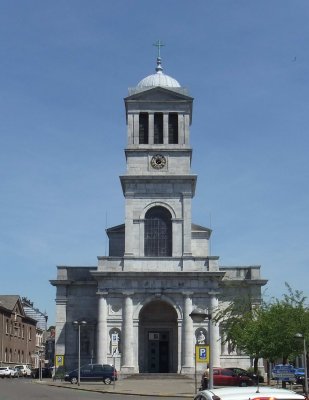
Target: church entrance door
pixel 158 339
pixel 158 354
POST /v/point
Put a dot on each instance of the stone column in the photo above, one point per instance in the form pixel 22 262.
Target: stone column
pixel 130 129
pixel 179 330
pixel 150 128
pixel 187 129
pixel 102 334
pixel 165 128
pixel 187 336
pixel 127 334
pixel 215 334
pixel 135 128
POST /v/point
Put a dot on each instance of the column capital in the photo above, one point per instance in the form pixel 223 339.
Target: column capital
pixel 213 293
pixel 187 294
pixel 102 293
pixel 128 293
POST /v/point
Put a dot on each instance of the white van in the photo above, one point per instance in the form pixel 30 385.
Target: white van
pixel 24 369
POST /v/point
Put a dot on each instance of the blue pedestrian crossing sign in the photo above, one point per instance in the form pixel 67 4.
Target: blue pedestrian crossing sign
pixel 202 353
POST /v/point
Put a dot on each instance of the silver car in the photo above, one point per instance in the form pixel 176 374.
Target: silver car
pixel 246 393
pixel 6 372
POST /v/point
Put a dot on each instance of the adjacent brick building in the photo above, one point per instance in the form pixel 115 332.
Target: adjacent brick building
pixel 17 332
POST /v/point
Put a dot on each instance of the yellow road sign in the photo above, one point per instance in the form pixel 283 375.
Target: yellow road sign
pixel 202 353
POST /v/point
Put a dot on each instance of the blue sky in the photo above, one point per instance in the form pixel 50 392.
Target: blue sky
pixel 66 67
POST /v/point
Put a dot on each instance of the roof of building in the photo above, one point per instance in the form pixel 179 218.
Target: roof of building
pixel 158 79
pixel 9 301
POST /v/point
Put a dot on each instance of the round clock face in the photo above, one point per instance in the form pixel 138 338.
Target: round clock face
pixel 158 161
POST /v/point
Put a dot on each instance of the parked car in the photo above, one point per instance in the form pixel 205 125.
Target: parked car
pixel 93 372
pixel 15 373
pixel 227 377
pixel 46 373
pixel 24 368
pixel 8 372
pixel 239 371
pixel 245 393
pixel 5 372
pixel 299 375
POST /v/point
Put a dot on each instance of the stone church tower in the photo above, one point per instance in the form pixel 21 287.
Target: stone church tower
pixel 137 300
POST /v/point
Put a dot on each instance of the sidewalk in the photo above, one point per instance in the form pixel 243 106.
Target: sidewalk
pixel 180 387
pixel 184 388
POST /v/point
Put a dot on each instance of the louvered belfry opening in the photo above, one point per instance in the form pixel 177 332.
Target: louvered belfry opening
pixel 173 128
pixel 143 128
pixel 158 128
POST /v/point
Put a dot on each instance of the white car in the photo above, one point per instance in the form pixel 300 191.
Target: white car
pixel 24 369
pixel 248 393
pixel 6 372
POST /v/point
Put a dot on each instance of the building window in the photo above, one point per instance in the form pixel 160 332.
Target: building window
pixel 158 233
pixel 7 327
pixel 173 128
pixel 29 333
pixel 143 128
pixel 23 332
pixel 158 128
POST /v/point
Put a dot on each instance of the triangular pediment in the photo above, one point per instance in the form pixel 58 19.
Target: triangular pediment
pixel 159 93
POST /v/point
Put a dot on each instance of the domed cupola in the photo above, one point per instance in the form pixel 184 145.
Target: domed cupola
pixel 158 79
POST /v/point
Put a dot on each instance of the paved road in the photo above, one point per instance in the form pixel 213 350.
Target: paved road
pixel 27 389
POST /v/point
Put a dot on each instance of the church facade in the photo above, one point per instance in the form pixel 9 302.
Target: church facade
pixel 137 301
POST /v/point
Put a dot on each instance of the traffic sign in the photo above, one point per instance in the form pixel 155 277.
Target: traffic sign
pixel 284 372
pixel 202 353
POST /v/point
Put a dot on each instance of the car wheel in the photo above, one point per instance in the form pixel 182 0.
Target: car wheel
pixel 243 384
pixel 74 380
pixel 107 381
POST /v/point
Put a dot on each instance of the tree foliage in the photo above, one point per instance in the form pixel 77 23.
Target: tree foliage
pixel 267 330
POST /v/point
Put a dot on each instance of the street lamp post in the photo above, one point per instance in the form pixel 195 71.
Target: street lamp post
pixel 301 336
pixel 78 324
pixel 198 315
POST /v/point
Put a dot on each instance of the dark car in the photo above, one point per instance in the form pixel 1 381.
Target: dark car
pixel 239 371
pixel 299 375
pixel 46 373
pixel 93 372
pixel 227 377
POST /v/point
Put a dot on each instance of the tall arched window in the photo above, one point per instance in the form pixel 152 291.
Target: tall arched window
pixel 158 233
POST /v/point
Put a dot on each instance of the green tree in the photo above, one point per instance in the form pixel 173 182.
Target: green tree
pixel 267 330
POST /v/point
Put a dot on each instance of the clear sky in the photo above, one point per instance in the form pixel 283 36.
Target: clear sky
pixel 65 68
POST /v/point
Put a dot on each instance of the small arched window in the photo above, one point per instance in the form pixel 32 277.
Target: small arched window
pixel 158 233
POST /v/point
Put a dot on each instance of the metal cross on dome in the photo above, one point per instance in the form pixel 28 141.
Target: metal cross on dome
pixel 159 44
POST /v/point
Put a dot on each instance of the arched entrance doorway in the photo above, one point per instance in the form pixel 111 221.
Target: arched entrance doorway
pixel 158 338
